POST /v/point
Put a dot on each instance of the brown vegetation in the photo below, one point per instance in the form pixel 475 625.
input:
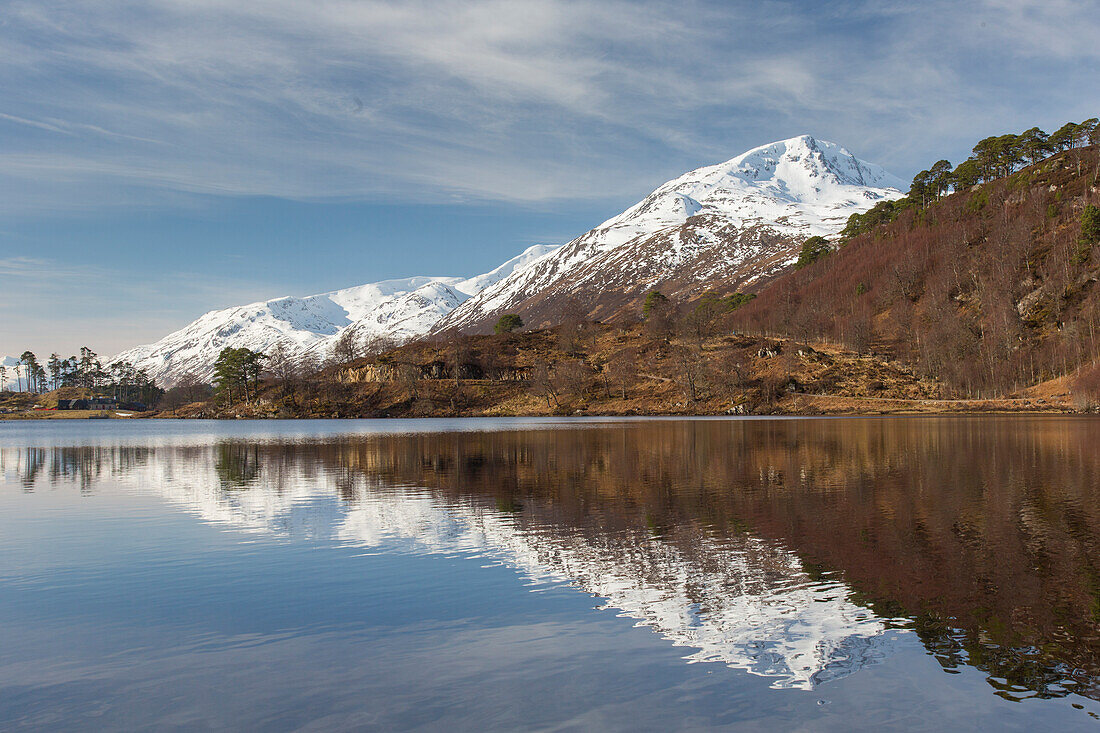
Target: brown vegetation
pixel 989 290
pixel 585 368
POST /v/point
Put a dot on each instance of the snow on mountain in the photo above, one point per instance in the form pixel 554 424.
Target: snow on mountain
pixel 395 309
pixel 480 282
pixel 10 380
pixel 724 226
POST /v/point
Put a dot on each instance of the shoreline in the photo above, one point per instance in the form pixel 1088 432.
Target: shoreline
pixel 922 410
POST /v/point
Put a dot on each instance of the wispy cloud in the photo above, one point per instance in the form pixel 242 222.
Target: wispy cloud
pixel 119 105
pixel 498 99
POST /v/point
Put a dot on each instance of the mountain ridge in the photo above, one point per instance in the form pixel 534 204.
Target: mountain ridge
pixel 726 225
pixel 396 309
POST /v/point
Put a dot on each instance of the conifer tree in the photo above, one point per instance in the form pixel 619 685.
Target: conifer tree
pixel 813 249
pixel 939 178
pixel 1035 144
pixel 508 322
pixel 654 299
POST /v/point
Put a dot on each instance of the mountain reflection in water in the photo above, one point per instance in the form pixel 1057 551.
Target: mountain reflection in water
pixel 789 549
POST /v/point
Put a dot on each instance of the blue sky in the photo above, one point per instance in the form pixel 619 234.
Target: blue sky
pixel 162 158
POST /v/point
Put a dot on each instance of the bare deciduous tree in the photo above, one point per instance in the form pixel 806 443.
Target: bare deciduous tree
pixel 622 368
pixel 574 376
pixel 409 376
pixel 687 362
pixel 457 354
pixel 727 373
pixel 542 382
pixel 347 346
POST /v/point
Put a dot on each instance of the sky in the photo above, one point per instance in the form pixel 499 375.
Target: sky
pixel 163 158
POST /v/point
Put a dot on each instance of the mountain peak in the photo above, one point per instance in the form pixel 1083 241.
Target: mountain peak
pixel 804 159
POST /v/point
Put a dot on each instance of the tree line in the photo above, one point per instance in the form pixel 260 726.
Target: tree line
pixel 993 157
pixel 85 370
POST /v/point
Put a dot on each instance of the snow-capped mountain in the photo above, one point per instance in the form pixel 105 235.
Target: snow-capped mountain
pixel 719 227
pixel 396 309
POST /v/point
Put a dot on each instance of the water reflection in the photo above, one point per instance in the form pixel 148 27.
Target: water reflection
pixel 789 549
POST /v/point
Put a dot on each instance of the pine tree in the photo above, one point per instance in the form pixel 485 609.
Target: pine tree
pixel 813 249
pixel 54 365
pixel 939 178
pixel 508 322
pixel 1063 137
pixel 655 299
pixel 1035 144
pixel 30 369
pixel 967 174
pixel 237 373
pixel 919 190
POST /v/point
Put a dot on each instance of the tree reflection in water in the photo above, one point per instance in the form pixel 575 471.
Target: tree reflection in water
pixel 980 534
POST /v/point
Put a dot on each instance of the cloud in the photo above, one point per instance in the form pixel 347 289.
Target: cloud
pixel 119 102
pixel 110 106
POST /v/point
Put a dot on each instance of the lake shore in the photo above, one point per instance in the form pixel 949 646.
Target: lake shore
pixel 797 405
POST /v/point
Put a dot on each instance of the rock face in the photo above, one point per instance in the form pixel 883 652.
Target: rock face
pixel 723 227
pixel 394 309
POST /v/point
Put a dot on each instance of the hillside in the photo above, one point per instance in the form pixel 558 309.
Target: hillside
pixel 603 369
pixel 989 290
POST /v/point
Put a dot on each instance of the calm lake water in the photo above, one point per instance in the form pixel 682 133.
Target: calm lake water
pixel 753 574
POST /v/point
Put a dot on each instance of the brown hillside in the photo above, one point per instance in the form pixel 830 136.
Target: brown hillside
pixel 990 290
pixel 601 369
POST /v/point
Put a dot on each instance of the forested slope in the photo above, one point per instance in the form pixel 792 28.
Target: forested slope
pixel 990 289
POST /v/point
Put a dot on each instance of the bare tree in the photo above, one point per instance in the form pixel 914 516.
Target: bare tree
pixel 542 380
pixel 347 346
pixel 574 376
pixel 376 345
pixel 687 363
pixel 727 373
pixel 622 368
pixel 859 333
pixel 409 376
pixel 458 354
pixel 282 366
pixel 307 364
pixel 571 323
pixel 188 390
pixel 191 387
pixel 490 358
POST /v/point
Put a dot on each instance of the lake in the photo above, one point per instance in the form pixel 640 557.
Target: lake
pixel 750 574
